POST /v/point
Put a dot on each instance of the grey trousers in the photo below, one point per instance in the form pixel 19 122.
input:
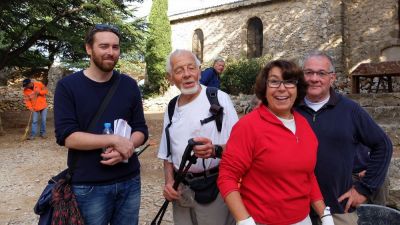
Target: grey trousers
pixel 344 219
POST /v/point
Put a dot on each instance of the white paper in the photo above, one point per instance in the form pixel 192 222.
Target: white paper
pixel 122 128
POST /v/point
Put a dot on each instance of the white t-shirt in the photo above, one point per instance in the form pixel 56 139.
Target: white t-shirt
pixel 186 124
pixel 289 124
pixel 316 105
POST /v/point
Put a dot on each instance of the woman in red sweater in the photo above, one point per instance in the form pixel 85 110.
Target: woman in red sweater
pixel 272 151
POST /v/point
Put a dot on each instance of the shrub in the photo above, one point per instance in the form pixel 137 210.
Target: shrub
pixel 240 75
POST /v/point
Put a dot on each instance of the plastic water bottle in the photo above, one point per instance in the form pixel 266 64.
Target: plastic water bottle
pixel 107 130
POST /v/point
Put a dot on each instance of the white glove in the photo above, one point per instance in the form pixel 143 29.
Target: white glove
pixel 248 221
pixel 327 218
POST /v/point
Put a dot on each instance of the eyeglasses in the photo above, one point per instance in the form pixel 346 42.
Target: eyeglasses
pixel 286 83
pixel 321 73
pixel 106 27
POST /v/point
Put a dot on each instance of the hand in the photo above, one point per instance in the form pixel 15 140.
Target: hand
pixel 111 157
pixel 362 174
pixel 354 199
pixel 248 221
pixel 206 150
pixel 170 193
pixel 123 146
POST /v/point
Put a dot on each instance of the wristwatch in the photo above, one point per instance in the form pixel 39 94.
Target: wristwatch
pixel 218 151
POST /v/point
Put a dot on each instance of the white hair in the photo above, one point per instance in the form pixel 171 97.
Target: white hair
pixel 218 59
pixel 317 53
pixel 176 52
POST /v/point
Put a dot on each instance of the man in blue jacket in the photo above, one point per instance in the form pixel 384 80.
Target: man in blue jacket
pixel 107 189
pixel 341 125
pixel 210 77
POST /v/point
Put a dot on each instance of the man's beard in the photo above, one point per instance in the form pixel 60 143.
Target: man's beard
pixel 189 91
pixel 105 67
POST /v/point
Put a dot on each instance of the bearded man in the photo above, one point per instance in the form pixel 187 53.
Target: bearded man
pixel 106 188
pixel 191 107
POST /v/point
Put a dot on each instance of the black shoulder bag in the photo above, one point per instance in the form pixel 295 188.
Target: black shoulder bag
pixel 58 196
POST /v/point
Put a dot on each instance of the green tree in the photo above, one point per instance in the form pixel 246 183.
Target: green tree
pixel 33 33
pixel 157 48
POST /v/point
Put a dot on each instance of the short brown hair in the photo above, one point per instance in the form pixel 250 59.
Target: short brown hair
pixel 290 71
pixel 100 28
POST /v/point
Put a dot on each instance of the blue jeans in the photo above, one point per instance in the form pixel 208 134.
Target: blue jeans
pixel 117 204
pixel 35 118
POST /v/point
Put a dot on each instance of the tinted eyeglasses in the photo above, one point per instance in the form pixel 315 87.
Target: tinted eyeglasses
pixel 286 83
pixel 106 27
pixel 101 27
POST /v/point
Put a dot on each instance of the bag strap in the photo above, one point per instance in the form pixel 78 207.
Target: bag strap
pixel 212 95
pixel 104 103
pixel 171 109
pixel 95 119
pixel 216 109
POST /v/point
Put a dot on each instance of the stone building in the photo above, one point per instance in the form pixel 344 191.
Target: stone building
pixel 352 31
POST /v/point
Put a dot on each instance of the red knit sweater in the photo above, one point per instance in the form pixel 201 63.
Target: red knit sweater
pixel 275 165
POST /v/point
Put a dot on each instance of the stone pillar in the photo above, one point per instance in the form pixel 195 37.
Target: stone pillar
pixel 56 72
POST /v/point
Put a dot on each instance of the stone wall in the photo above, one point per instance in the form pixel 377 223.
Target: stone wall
pixel 352 31
pixel 290 28
pixel 11 99
pixel 370 27
pixel 371 34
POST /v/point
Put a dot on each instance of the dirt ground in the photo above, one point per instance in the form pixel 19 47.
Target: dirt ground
pixel 26 167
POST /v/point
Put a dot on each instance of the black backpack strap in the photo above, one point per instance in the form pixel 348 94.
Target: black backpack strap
pixel 171 109
pixel 216 110
pixel 212 95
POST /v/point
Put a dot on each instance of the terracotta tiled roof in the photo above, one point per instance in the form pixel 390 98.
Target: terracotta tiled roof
pixel 381 68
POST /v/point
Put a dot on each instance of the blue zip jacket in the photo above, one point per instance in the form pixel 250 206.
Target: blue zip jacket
pixel 341 125
pixel 210 78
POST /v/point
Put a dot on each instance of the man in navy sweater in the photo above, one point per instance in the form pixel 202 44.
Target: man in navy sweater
pixel 106 188
pixel 210 77
pixel 341 125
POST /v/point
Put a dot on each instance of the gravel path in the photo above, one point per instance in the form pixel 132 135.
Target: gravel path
pixel 26 167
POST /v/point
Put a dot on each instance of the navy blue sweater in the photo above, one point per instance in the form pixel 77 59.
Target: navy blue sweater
pixel 76 101
pixel 341 126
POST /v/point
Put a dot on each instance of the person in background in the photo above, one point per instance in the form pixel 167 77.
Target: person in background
pixel 107 189
pixel 210 77
pixel 35 100
pixel 271 154
pixel 184 71
pixel 341 125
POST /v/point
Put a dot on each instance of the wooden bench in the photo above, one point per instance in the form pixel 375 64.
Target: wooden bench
pixel 383 70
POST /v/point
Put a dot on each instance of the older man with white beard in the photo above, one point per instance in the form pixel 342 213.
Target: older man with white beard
pixel 192 106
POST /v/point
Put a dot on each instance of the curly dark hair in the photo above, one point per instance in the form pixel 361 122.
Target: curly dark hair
pixel 290 71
